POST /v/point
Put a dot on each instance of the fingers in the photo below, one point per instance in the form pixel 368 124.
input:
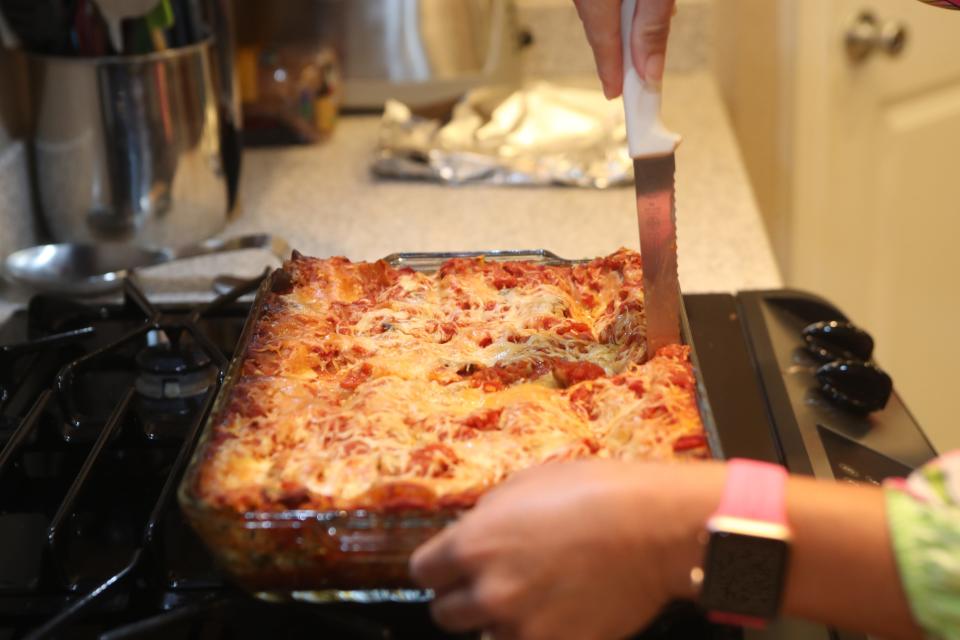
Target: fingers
pixel 435 564
pixel 601 21
pixel 459 611
pixel 468 595
pixel 492 601
pixel 501 633
pixel 651 27
pixel 460 604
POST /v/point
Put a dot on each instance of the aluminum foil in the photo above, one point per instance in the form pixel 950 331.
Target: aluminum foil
pixel 541 134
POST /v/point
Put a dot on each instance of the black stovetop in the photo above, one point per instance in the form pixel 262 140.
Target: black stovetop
pixel 101 405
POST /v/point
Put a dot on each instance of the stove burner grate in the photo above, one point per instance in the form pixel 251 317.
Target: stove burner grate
pixel 86 495
pixel 100 411
pixel 168 371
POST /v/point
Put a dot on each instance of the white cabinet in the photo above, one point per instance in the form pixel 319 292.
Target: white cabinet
pixel 857 164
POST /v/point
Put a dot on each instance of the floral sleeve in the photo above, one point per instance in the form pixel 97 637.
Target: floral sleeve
pixel 924 516
pixel 944 4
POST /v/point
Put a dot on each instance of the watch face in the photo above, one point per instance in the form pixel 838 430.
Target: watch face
pixel 744 574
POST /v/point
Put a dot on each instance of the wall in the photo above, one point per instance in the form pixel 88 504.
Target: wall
pixel 753 62
pixel 560 47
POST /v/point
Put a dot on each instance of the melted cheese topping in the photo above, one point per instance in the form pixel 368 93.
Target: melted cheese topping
pixel 369 387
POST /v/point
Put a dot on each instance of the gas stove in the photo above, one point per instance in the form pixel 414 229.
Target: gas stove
pixel 101 405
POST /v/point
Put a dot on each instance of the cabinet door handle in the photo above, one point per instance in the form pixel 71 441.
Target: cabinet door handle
pixel 868 35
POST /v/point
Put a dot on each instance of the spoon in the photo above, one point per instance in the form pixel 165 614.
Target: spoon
pixel 86 269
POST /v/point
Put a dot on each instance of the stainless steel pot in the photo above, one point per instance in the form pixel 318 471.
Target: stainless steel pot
pixel 417 51
pixel 128 149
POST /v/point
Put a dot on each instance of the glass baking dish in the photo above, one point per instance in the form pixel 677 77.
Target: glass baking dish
pixel 344 556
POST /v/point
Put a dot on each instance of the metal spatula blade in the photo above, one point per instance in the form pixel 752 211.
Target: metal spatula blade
pixel 652 148
pixel 656 215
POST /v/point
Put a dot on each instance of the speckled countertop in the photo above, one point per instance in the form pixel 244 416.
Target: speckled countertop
pixel 324 201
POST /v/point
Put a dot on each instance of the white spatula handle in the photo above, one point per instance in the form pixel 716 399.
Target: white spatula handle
pixel 646 135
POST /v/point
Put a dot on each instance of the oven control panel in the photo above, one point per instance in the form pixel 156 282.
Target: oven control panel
pixel 834 410
pixel 853 462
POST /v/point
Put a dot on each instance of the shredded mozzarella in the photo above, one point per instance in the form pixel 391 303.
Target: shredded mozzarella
pixel 361 380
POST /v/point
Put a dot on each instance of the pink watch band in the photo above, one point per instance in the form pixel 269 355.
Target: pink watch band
pixel 755 490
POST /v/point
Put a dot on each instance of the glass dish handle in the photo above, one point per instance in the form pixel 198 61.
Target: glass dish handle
pixel 431 261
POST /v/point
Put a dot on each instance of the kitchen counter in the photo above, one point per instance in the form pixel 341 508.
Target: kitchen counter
pixel 324 201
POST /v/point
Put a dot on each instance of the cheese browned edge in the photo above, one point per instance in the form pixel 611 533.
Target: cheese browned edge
pixel 369 387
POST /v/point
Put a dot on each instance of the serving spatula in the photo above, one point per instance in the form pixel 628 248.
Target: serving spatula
pixel 652 148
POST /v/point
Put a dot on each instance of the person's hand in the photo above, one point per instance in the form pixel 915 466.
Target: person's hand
pixel 651 26
pixel 574 550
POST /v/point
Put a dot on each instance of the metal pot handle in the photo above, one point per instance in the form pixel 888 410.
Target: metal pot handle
pixel 273 244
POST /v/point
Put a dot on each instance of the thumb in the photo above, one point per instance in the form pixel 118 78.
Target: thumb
pixel 648 37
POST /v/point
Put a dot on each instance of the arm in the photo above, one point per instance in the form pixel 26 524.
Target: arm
pixel 596 549
pixel 842 569
pixel 651 26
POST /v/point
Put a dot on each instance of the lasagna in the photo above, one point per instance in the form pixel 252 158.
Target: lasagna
pixel 365 387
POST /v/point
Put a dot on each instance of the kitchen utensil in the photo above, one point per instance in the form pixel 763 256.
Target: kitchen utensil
pixel 116 11
pixel 158 20
pixel 8 39
pixel 188 25
pixel 42 26
pixel 652 147
pixel 85 269
pixel 90 36
pixel 147 33
pixel 215 17
pixel 128 148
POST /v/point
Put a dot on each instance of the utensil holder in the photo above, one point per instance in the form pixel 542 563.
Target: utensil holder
pixel 128 149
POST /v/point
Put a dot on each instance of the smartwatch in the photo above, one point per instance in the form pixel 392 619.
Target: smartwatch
pixel 747 547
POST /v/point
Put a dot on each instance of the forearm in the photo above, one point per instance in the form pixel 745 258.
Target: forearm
pixel 842 571
pixel 527 563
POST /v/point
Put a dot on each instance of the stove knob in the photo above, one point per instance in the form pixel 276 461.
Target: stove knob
pixel 858 386
pixel 835 340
